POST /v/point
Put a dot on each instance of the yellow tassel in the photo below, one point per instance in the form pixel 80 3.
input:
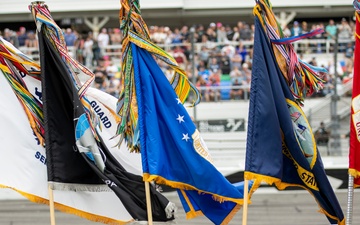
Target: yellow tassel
pixel 354 173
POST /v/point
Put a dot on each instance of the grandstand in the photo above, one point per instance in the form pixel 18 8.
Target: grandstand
pixel 228 148
pixel 227 140
pixel 174 13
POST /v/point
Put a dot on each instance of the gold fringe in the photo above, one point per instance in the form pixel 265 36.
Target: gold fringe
pixel 192 214
pixel 342 222
pixel 258 178
pixel 187 201
pixel 69 210
pixel 355 173
pixel 231 215
pixel 183 186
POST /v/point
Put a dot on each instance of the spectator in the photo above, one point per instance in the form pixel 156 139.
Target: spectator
pixel 204 73
pixel 10 36
pixel 200 31
pixel 203 88
pixel 69 37
pixel 320 46
pixel 252 29
pixel 88 51
pixel 228 49
pixel 242 51
pixel 349 51
pixel 214 82
pixel 322 135
pixel 246 33
pixel 211 33
pixel 204 55
pixel 304 47
pixel 32 43
pixel 296 29
pixel 177 38
pixel 221 33
pixel 331 30
pixel 159 35
pixel 103 40
pixel 236 61
pixel 286 31
pixel 344 34
pixel 100 81
pixel 168 36
pixel 313 61
pixel 229 32
pixel 225 63
pixel 247 74
pixel 22 36
pixel 236 34
pixel 97 53
pixel 79 49
pixel 179 56
pixel 237 81
pixel 331 33
pixel 207 43
pixel 115 37
pixel 214 65
pixel 185 33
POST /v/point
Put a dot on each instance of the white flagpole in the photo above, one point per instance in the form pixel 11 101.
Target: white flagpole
pixel 51 204
pixel 245 206
pixel 350 200
pixel 148 202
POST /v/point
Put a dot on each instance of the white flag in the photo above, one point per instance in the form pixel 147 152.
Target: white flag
pixel 24 167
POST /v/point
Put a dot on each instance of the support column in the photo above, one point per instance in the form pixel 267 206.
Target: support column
pixel 95 25
pixel 335 145
pixel 285 18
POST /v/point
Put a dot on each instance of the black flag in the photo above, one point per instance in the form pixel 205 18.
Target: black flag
pixel 71 168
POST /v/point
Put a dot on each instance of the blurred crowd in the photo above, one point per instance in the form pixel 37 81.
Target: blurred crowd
pixel 222 57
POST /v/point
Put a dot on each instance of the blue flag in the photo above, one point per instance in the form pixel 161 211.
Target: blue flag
pixel 173 152
pixel 281 149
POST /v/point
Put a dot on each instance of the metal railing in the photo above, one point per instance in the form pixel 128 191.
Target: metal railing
pixel 306 46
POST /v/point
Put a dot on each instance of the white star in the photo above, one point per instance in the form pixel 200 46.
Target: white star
pixel 180 118
pixel 185 137
pixel 178 100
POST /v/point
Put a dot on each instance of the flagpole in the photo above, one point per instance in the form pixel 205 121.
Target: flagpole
pixel 193 79
pixel 350 200
pixel 245 206
pixel 148 202
pixel 51 204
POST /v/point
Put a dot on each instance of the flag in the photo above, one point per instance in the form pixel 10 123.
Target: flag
pixel 156 124
pixel 77 158
pixel 75 128
pixel 281 149
pixel 354 152
pixel 21 92
pixel 172 150
pixel 26 162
